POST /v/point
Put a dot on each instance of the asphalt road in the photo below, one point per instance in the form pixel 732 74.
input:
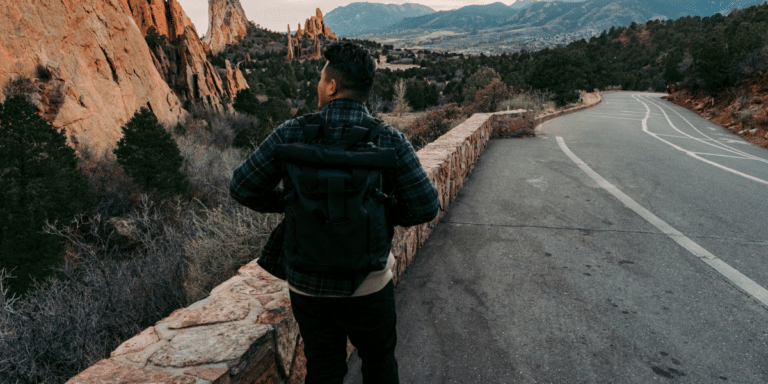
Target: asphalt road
pixel 626 243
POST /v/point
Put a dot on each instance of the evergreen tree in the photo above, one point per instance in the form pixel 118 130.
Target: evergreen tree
pixel 246 102
pixel 39 182
pixel 150 156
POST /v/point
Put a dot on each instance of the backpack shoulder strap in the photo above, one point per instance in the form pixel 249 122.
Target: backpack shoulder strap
pixel 380 125
pixel 311 126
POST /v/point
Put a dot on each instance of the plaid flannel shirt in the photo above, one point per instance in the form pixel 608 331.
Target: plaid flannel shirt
pixel 254 185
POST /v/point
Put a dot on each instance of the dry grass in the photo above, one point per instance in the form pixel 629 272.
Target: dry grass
pixel 226 239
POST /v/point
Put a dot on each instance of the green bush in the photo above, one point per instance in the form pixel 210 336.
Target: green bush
pixel 150 156
pixel 246 102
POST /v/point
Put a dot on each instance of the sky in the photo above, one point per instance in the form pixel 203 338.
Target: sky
pixel 277 14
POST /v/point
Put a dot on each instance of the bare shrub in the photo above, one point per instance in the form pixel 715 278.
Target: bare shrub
pixel 55 98
pixel 22 85
pixel 209 169
pixel 745 117
pixel 99 298
pixel 434 124
pixel 400 103
pixel 226 238
pixel 109 188
pixel 536 101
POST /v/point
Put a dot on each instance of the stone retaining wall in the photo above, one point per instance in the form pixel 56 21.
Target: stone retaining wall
pixel 244 331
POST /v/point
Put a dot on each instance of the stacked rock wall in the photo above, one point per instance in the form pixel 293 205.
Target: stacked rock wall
pixel 244 332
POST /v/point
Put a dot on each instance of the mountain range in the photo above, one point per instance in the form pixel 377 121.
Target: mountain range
pixel 496 28
pixel 357 18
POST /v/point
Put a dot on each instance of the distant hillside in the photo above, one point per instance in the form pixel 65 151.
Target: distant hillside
pixel 596 15
pixel 466 18
pixel 538 24
pixel 358 18
pixel 524 3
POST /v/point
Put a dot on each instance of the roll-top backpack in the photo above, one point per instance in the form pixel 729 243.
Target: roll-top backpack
pixel 335 205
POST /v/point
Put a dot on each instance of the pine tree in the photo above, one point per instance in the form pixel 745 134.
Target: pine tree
pixel 246 102
pixel 39 182
pixel 150 156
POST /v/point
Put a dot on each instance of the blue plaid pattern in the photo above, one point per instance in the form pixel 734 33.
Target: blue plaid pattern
pixel 254 185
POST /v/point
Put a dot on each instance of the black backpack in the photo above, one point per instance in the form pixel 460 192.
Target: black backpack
pixel 335 203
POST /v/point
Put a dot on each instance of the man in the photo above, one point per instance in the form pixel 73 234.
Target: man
pixel 331 306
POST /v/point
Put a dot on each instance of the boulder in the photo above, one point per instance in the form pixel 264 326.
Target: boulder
pixel 97 57
pixel 227 24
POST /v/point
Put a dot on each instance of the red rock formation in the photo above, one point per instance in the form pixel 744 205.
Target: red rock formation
pixel 185 69
pixel 97 55
pixel 167 17
pixel 315 26
pixel 200 79
pixel 234 80
pixel 227 24
pixel 294 47
pixel 316 53
pixel 315 29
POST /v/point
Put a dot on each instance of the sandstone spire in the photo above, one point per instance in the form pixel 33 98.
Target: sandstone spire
pixel 289 57
pixel 315 26
pixel 314 29
pixel 227 24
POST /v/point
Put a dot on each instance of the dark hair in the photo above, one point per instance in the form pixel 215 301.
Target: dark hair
pixel 353 66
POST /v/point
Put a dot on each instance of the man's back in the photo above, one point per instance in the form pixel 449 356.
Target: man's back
pixel 254 182
pixel 331 307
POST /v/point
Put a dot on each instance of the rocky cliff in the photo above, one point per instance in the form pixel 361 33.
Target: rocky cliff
pixel 226 24
pixel 184 66
pixel 93 54
pixel 166 16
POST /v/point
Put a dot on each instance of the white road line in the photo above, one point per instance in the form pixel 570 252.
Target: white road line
pixel 720 155
pixel 707 138
pixel 697 130
pixel 612 117
pixel 743 282
pixel 693 154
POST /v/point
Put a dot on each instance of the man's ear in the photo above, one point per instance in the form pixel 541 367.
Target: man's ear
pixel 333 87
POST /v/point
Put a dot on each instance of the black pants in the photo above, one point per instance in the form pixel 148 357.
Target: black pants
pixel 369 322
